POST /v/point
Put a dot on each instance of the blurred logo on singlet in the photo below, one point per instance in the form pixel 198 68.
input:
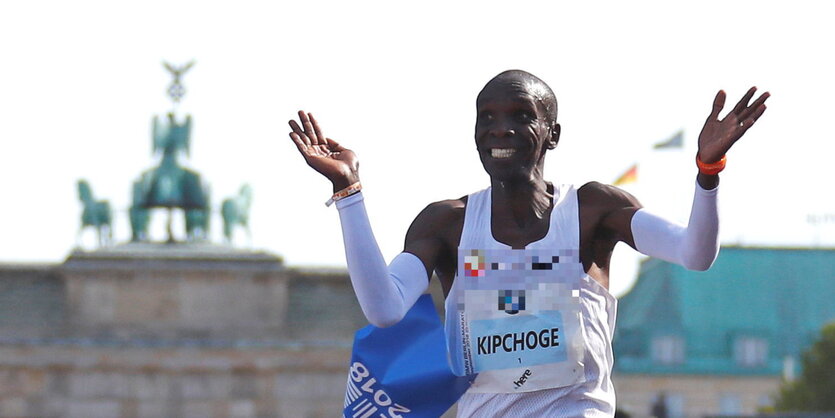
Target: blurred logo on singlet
pixel 474 265
pixel 509 262
pixel 512 301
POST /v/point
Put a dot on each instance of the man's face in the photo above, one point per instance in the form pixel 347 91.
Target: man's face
pixel 511 131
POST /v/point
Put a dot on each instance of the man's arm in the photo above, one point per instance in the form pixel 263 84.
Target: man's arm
pixel 385 292
pixel 623 219
pixel 695 245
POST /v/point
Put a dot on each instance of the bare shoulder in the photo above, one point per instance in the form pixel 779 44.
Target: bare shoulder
pixel 605 216
pixel 438 217
pixel 434 236
pixel 606 197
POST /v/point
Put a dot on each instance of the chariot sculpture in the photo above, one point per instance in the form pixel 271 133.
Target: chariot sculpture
pixel 168 185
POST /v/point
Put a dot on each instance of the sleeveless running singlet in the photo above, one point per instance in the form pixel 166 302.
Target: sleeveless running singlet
pixel 533 325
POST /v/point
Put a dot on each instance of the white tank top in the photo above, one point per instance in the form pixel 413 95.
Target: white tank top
pixel 533 325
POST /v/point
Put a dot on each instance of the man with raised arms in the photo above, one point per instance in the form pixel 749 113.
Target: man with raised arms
pixel 524 264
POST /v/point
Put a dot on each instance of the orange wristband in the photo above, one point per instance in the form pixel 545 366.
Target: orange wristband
pixel 711 169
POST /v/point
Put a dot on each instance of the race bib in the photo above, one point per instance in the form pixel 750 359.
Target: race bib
pixel 518 318
pixel 520 341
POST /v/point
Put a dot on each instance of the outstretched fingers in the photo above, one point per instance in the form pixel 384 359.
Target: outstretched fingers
pixel 299 142
pixel 299 132
pixel 306 150
pixel 305 139
pixel 750 114
pixel 755 114
pixel 316 129
pixel 718 136
pixel 758 112
pixel 754 107
pixel 718 104
pixel 742 105
pixel 308 128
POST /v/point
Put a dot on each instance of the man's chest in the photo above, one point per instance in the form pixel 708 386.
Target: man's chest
pixel 516 236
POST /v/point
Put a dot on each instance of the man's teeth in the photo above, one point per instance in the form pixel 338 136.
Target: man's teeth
pixel 501 152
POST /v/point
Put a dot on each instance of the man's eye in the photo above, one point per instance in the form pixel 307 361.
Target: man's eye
pixel 524 116
pixel 485 117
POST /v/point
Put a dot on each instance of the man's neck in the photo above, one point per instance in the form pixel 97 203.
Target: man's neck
pixel 524 201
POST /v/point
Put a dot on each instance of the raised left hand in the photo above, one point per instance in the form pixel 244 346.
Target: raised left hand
pixel 339 164
pixel 718 136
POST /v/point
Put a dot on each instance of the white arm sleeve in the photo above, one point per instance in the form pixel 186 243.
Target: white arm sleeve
pixel 694 246
pixel 385 293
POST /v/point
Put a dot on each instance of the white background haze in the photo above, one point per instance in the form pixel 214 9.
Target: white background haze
pixel 80 82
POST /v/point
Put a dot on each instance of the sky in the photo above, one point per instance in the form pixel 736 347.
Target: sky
pixel 81 82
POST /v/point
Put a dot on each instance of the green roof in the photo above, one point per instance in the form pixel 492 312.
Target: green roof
pixel 782 297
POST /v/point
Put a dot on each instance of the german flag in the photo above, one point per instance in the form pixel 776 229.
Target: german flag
pixel 630 176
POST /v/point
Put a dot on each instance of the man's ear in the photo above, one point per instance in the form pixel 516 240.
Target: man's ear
pixel 555 136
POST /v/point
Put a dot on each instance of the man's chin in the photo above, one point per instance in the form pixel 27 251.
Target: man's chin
pixel 510 175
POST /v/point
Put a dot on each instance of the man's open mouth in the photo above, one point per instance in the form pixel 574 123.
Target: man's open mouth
pixel 502 152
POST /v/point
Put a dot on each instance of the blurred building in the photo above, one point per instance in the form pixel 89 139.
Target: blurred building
pixel 174 330
pixel 200 330
pixel 720 341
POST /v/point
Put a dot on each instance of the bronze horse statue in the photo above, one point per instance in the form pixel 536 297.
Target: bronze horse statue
pixel 96 213
pixel 235 211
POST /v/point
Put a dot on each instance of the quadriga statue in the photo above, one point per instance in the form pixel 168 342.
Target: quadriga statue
pixel 170 185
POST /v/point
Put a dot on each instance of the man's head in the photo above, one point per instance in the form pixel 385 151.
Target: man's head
pixel 532 84
pixel 516 124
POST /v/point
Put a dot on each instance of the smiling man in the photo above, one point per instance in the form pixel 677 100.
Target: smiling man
pixel 524 264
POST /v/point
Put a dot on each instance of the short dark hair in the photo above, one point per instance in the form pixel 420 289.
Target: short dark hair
pixel 531 83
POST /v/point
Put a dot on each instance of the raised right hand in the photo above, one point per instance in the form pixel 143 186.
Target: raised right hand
pixel 339 164
pixel 718 136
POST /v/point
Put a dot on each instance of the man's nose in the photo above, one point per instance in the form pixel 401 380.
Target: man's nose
pixel 502 129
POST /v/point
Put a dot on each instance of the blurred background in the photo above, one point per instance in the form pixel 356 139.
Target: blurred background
pixel 396 83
